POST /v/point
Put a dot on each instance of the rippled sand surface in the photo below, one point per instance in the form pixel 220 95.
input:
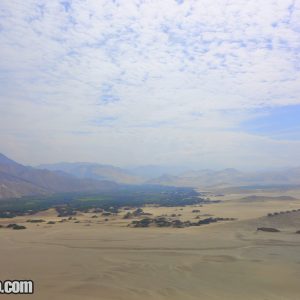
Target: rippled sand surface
pixel 107 260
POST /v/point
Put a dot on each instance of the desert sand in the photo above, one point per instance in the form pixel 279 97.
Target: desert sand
pixel 98 259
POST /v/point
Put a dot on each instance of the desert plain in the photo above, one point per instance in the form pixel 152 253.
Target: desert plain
pixel 100 257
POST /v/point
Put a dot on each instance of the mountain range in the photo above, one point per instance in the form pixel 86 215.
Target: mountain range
pixel 230 178
pixel 95 171
pixel 178 176
pixel 17 180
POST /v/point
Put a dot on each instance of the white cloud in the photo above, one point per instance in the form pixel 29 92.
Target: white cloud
pixel 181 79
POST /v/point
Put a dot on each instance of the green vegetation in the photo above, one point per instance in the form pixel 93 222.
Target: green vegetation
pixel 167 222
pixel 65 211
pixel 16 226
pixel 36 221
pixel 108 201
pixel 268 229
pixel 128 215
pixel 282 212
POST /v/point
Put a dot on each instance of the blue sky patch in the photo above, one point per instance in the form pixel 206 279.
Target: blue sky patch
pixel 278 122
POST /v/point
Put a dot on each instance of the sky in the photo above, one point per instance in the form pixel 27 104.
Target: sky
pixel 204 84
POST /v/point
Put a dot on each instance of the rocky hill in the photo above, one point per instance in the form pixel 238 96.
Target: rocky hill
pixel 17 180
pixel 95 171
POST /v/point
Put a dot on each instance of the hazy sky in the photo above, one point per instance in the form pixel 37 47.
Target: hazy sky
pixel 199 83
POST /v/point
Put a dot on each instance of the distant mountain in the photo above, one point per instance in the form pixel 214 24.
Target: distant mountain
pixel 230 177
pixel 95 171
pixel 5 160
pixel 178 176
pixel 17 180
pixel 201 178
pixel 153 171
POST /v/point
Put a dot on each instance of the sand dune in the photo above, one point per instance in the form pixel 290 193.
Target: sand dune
pixel 111 261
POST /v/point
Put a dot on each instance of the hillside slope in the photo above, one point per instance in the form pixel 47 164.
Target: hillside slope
pixel 17 180
pixel 230 177
pixel 95 171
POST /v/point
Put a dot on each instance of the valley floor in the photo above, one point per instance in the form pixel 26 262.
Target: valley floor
pixel 97 259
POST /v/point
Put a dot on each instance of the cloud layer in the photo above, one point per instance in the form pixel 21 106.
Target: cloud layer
pixel 146 82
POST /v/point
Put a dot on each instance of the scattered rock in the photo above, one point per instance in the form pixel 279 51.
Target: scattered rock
pixel 128 215
pixel 268 229
pixel 106 214
pixel 143 223
pixel 36 221
pixel 16 226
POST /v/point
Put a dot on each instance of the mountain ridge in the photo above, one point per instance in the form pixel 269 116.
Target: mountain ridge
pixel 94 171
pixel 203 178
pixel 17 180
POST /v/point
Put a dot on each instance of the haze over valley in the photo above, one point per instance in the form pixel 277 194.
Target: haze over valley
pixel 17 180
